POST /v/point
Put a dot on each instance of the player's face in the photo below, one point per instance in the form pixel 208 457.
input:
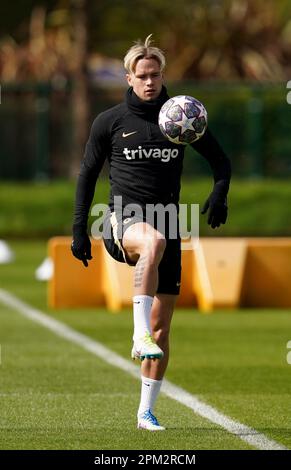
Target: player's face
pixel 146 80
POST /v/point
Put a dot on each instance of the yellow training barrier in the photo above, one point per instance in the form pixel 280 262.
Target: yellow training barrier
pixel 216 273
pixel 72 284
pixel 267 280
pixel 117 283
pixel 187 297
pixel 219 271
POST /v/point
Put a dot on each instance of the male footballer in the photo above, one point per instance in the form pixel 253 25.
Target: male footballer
pixel 145 170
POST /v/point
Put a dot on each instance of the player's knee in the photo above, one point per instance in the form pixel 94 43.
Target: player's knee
pixel 161 335
pixel 154 248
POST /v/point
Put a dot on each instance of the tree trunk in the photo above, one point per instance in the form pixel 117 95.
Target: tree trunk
pixel 80 108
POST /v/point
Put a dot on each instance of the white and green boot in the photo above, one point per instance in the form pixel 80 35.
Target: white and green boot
pixel 146 348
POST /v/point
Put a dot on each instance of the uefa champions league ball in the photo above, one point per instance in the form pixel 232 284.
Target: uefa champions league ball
pixel 183 119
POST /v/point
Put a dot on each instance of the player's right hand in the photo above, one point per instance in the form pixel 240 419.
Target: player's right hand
pixel 81 245
pixel 216 204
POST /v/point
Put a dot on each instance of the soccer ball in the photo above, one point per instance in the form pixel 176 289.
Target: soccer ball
pixel 183 119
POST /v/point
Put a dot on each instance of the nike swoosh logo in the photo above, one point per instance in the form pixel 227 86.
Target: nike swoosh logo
pixel 129 133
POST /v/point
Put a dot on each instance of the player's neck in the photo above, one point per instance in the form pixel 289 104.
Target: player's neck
pixel 146 109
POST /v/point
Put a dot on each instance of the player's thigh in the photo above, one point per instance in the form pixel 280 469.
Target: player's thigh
pixel 139 236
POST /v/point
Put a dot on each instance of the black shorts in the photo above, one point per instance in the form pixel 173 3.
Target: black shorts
pixel 114 226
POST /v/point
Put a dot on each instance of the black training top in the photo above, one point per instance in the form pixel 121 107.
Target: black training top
pixel 145 167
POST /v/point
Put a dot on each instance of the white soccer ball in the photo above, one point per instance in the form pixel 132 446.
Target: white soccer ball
pixel 183 119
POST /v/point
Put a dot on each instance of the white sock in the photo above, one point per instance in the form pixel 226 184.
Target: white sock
pixel 142 305
pixel 149 392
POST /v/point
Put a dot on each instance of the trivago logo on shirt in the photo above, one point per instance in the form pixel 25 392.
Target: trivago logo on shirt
pixel 140 153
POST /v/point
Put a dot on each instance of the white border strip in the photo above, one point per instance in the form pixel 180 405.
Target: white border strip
pixel 245 433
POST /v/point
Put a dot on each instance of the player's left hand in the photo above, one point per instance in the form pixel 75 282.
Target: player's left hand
pixel 216 205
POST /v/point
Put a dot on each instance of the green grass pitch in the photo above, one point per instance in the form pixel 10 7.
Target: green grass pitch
pixel 55 395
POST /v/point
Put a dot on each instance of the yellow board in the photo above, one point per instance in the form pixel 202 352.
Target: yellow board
pixel 117 283
pixel 216 273
pixel 72 284
pixel 219 271
pixel 187 297
pixel 267 282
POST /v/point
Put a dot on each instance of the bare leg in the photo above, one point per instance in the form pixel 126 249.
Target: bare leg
pixel 152 372
pixel 161 316
pixel 145 245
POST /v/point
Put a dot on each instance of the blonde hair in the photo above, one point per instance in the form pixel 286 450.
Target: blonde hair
pixel 143 51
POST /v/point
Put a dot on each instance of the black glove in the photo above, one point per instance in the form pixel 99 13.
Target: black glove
pixel 217 205
pixel 81 245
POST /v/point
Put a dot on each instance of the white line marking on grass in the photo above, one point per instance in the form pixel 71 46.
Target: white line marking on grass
pixel 245 433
